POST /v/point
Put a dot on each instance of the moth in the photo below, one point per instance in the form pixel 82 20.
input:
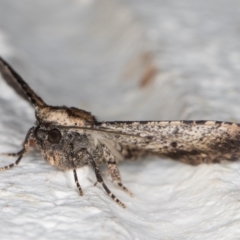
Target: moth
pixel 70 138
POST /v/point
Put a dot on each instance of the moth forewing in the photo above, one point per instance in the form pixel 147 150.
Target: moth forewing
pixel 192 142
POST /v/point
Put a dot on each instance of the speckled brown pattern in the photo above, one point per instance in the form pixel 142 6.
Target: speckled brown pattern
pixel 70 138
pixel 191 142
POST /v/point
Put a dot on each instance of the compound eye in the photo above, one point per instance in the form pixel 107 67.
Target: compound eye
pixel 54 136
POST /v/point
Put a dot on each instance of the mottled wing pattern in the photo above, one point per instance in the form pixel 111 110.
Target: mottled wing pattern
pixel 191 142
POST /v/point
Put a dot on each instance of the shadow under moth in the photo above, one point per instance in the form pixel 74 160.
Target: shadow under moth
pixel 70 138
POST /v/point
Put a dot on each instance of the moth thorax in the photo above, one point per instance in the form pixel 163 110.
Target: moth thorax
pixel 65 116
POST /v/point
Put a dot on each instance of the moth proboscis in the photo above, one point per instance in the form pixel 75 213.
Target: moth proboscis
pixel 70 138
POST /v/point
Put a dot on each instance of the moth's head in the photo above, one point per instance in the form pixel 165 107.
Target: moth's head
pixel 61 147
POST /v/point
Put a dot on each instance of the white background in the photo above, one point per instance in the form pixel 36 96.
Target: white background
pixel 93 55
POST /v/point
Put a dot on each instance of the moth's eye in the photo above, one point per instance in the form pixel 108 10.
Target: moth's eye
pixel 54 136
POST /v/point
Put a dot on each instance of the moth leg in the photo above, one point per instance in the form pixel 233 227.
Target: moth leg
pixel 115 175
pixel 100 180
pixel 12 154
pixel 12 164
pixel 77 182
pixel 113 170
pixel 20 154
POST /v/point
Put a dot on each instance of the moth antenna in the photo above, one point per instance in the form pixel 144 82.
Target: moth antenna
pixel 104 131
pixel 12 77
pixel 20 154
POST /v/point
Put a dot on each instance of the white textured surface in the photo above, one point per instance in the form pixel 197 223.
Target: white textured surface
pixel 78 53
